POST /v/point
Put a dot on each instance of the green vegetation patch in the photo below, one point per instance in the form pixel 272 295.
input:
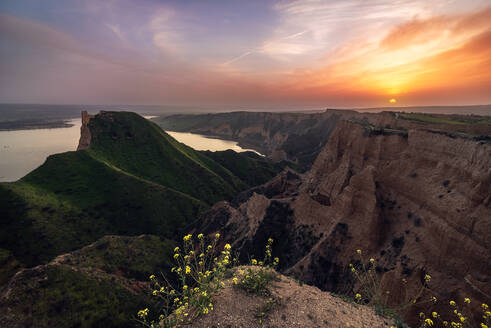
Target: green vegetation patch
pixel 140 147
pixel 447 119
pixel 131 257
pixel 250 167
pixel 72 200
pixel 57 296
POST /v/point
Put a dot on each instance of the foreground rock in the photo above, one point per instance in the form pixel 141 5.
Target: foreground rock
pixel 289 305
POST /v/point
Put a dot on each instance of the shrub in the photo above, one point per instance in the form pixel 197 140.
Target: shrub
pixel 369 290
pixel 460 317
pixel 200 270
pixel 257 279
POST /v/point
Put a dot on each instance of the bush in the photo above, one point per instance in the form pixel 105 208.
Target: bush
pixel 200 271
pixel 460 317
pixel 257 279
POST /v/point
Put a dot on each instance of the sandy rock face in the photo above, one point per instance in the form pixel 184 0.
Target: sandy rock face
pixel 85 135
pixel 417 202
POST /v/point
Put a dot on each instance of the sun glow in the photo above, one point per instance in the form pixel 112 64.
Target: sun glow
pixel 393 101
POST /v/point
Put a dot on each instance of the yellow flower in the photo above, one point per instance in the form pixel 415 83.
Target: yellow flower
pixel 483 325
pixel 372 260
pixel 358 297
pixel 452 303
pixel 176 256
pixel 358 251
pixel 427 277
pixel 434 314
pixel 421 315
pixel 152 277
pixel 254 262
pixel 235 281
pixel 433 299
pixel 429 322
pixel 217 235
pixel 227 247
pixel 188 269
pixel 467 300
pixel 143 313
pixel 484 306
pixel 185 287
pixel 187 237
pixel 270 240
pixel 176 249
pixel 200 236
pixel 204 293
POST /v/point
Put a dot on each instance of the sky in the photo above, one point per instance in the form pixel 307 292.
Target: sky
pixel 254 53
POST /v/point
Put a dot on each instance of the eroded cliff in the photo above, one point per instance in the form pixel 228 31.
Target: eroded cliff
pixel 417 201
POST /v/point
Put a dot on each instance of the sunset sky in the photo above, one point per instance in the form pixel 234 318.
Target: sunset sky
pixel 257 53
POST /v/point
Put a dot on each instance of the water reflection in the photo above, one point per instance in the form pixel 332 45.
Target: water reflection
pixel 202 142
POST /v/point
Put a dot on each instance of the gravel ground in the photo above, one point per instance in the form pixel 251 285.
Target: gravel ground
pixel 292 306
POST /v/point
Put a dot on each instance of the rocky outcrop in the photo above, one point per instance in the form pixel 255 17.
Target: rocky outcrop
pixel 289 304
pixel 85 135
pixel 417 201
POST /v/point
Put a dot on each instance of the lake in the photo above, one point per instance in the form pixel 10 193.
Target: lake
pixel 24 150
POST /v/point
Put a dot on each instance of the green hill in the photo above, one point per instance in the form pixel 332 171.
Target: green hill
pixel 142 148
pixel 133 179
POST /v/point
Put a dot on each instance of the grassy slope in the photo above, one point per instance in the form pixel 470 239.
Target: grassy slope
pixel 91 288
pixel 446 119
pixel 73 199
pixel 140 147
pixel 134 179
pixel 251 168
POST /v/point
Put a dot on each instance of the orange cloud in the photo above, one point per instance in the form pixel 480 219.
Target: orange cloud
pixel 440 53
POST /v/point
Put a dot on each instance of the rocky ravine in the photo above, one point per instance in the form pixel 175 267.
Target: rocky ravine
pixel 418 202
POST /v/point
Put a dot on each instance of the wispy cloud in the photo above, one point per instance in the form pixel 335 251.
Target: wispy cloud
pixel 117 31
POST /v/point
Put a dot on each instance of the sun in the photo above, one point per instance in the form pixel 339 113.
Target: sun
pixel 393 101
